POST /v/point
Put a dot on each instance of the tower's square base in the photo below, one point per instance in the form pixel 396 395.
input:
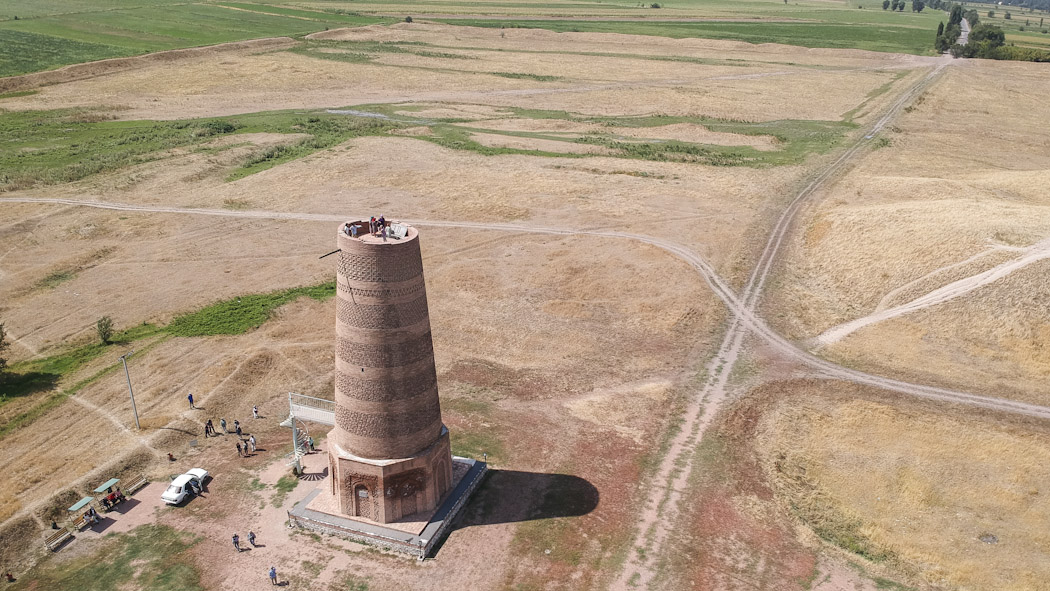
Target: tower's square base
pixel 414 534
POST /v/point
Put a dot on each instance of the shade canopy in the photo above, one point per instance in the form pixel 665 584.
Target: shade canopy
pixel 107 484
pixel 81 504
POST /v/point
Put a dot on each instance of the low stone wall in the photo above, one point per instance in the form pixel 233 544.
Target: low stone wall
pixel 420 545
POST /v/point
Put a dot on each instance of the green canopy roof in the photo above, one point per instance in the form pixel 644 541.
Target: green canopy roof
pixel 107 484
pixel 81 504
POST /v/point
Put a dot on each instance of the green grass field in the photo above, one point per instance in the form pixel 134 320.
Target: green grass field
pixel 37 36
pixel 1023 28
pixel 49 147
pixel 149 557
pixel 54 35
pixel 912 37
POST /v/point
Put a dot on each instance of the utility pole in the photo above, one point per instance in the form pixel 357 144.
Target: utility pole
pixel 124 360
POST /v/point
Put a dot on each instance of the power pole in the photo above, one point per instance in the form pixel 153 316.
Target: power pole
pixel 124 360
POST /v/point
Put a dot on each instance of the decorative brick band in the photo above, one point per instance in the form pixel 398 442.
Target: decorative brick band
pixel 388 293
pixel 385 390
pixel 380 317
pixel 385 355
pixel 382 265
pixel 389 425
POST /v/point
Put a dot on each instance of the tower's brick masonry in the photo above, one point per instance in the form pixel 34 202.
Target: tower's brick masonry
pixel 391 454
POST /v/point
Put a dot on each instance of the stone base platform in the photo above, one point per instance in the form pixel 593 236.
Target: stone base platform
pixel 416 534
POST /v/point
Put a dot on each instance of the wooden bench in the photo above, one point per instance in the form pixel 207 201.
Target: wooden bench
pixel 57 539
pixel 80 523
pixel 134 485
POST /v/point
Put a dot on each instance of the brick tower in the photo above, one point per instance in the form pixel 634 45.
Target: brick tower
pixel 389 453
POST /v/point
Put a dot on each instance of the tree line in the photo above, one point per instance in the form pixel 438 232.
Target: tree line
pixel 985 41
pixel 898 5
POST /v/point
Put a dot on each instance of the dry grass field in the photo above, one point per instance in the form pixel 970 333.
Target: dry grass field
pixel 893 480
pixel 944 210
pixel 566 358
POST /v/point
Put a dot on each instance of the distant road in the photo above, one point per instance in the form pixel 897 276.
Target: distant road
pixel 965 36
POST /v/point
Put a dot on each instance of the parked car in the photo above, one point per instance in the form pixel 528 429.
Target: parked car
pixel 182 486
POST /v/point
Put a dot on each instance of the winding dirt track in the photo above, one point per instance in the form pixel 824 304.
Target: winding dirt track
pixel 745 318
pixel 1032 254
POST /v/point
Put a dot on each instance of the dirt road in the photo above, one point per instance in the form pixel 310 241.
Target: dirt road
pixel 746 319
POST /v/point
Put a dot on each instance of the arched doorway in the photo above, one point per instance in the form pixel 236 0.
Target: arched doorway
pixel 408 498
pixel 362 502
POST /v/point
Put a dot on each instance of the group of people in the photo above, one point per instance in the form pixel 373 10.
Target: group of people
pixel 237 540
pixel 376 227
pixel 272 573
pixel 91 516
pixel 246 447
pixel 112 499
pixel 209 427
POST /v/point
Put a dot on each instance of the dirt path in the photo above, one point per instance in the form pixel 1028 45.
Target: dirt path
pixel 1032 254
pixel 745 317
pixel 658 517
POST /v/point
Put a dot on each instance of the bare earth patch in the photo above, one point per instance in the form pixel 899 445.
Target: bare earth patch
pixel 494 140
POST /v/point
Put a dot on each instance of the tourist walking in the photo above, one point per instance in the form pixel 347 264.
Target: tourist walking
pixel 239 451
pixel 251 442
pixel 255 412
pixel 222 423
pixel 237 542
pixel 251 538
pixel 209 429
pixel 190 397
pixel 237 427
pixel 273 575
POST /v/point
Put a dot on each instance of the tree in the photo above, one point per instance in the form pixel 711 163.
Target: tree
pixel 956 15
pixel 990 35
pixel 3 347
pixel 1007 15
pixel 917 5
pixel 900 7
pixel 885 4
pixel 991 14
pixel 104 328
pixel 940 29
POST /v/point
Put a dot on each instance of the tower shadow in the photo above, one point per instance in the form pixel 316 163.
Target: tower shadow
pixel 510 496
